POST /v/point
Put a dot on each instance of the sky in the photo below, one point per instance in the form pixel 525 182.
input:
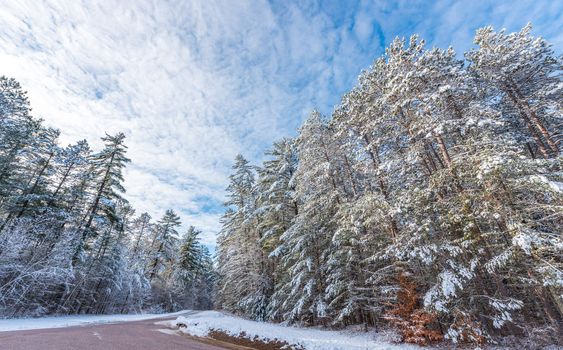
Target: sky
pixel 192 83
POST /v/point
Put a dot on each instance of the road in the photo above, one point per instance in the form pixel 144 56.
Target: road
pixel 138 335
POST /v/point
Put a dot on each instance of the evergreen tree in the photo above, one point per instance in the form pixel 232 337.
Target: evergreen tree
pixel 190 262
pixel 107 168
pixel 163 245
pixel 524 73
pixel 243 284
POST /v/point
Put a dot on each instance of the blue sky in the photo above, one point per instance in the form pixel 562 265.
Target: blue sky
pixel 193 83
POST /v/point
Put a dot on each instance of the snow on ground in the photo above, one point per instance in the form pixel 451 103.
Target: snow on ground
pixel 201 323
pixel 15 324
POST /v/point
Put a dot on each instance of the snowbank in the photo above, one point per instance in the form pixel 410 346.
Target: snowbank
pixel 201 323
pixel 16 324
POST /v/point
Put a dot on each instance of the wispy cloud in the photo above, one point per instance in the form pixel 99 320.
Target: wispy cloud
pixel 192 83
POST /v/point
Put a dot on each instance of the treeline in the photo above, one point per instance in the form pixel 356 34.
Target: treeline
pixel 431 200
pixel 70 242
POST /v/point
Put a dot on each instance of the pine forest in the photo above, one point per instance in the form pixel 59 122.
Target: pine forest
pixel 430 202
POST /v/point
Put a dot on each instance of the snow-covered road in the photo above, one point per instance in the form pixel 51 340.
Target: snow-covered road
pixel 15 324
pixel 138 335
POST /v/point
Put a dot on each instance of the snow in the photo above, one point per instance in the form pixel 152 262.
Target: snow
pixel 199 324
pixel 555 186
pixel 16 324
pixel 524 241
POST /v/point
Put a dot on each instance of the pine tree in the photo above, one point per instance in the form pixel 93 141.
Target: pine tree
pixel 276 209
pixel 107 169
pixel 190 264
pixel 17 129
pixel 300 297
pixel 163 246
pixel 524 72
pixel 243 281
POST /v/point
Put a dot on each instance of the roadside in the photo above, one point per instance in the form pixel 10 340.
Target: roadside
pixel 267 336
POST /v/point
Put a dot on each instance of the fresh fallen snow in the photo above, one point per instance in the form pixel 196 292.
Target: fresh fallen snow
pixel 201 323
pixel 15 324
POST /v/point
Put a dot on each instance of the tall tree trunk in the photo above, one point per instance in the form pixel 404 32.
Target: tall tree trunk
pixel 351 177
pixel 98 197
pixel 35 184
pixel 394 228
pixel 332 181
pixel 443 150
pixel 524 106
pixel 541 145
pixel 60 185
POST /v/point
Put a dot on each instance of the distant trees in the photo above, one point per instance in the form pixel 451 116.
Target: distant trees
pixel 432 199
pixel 70 242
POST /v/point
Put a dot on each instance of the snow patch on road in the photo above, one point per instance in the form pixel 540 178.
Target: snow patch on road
pixel 18 324
pixel 168 331
pixel 200 324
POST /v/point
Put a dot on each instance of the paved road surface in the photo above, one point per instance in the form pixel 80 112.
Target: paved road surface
pixel 139 335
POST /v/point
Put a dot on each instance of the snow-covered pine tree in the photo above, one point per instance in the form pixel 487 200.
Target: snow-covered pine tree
pixel 244 282
pixel 276 209
pixel 17 129
pixel 525 73
pixel 100 229
pixel 139 232
pixel 193 272
pixel 164 244
pixel 189 264
pixel 319 193
pixel 107 168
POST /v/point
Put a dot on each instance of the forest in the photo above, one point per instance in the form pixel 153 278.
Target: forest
pixel 430 201
pixel 70 243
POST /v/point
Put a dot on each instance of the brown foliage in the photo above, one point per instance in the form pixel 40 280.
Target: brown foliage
pixel 469 331
pixel 412 321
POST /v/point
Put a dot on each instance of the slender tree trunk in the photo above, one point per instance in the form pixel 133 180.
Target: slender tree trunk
pixel 375 162
pixel 60 185
pixel 98 196
pixel 443 150
pixel 433 154
pixel 35 184
pixel 351 177
pixel 136 248
pixel 541 145
pixel 524 106
pixel 394 229
pixel 333 183
pixel 531 150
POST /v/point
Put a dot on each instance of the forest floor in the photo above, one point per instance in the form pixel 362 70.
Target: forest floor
pixel 230 330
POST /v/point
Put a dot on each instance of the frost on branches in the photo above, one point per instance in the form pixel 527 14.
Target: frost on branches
pixel 70 243
pixel 430 200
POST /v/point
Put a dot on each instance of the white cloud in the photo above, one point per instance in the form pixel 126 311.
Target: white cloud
pixel 193 83
pixel 190 83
